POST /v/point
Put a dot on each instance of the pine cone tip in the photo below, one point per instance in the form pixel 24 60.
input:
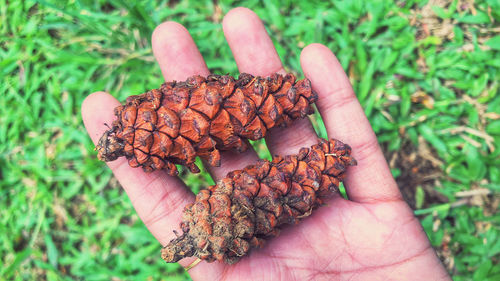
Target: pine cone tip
pixel 182 247
pixel 109 147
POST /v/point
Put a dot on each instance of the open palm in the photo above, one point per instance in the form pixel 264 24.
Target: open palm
pixel 373 235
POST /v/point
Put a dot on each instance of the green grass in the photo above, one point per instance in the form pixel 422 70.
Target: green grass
pixel 431 96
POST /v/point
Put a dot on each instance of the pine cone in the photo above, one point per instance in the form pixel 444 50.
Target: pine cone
pixel 249 205
pixel 199 117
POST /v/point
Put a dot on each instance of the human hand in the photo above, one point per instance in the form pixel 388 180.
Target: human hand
pixel 373 235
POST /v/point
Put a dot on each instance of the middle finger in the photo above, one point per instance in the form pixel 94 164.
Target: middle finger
pixel 179 58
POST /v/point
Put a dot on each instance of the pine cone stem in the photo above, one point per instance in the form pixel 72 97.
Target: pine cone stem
pixel 249 205
pixel 200 116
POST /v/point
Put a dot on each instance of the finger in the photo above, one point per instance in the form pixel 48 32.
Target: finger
pixel 176 52
pixel 157 197
pixel 252 48
pixel 344 118
pixel 179 58
pixel 254 53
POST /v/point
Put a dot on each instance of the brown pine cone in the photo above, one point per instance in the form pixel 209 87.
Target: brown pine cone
pixel 249 205
pixel 200 116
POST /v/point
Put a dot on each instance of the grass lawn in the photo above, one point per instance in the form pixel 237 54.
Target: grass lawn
pixel 426 72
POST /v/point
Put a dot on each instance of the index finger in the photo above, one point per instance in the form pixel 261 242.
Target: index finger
pixel 254 53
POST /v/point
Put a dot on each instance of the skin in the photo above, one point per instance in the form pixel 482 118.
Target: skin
pixel 371 236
